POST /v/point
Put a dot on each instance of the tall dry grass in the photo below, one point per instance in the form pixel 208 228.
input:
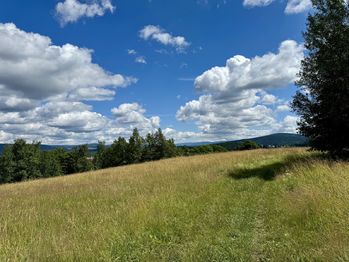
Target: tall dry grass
pixel 278 205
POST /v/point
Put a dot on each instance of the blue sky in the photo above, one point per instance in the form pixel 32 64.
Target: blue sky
pixel 148 64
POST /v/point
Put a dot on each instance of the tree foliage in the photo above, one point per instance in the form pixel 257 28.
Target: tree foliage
pixel 247 145
pixel 137 149
pixel 323 99
pixel 200 150
pixel 22 161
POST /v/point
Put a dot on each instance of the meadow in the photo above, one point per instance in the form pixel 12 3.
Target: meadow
pixel 260 205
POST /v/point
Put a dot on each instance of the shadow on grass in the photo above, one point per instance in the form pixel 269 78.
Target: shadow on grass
pixel 270 171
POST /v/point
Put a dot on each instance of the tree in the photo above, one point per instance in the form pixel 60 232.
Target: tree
pixel 323 99
pixel 100 157
pixel 159 145
pixel 170 148
pixel 247 145
pixel 7 166
pixel 118 151
pixel 50 165
pixel 66 161
pixel 20 161
pixel 27 160
pixel 149 150
pixel 80 156
pixel 135 147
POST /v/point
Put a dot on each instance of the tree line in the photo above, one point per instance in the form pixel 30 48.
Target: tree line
pixel 23 161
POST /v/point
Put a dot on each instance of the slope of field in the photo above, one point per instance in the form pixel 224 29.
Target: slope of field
pixel 277 205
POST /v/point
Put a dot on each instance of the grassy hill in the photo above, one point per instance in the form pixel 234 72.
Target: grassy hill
pixel 277 205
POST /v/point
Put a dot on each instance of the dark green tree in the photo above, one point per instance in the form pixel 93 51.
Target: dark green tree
pixel 118 151
pixel 323 99
pixel 20 161
pixel 135 147
pixel 27 160
pixel 170 148
pixel 100 156
pixel 50 165
pixel 247 145
pixel 149 151
pixel 7 166
pixel 66 161
pixel 159 145
pixel 80 155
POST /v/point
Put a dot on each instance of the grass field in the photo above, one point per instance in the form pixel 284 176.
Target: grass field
pixel 262 205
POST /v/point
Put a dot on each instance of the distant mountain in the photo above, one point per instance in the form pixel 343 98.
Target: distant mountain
pixel 197 144
pixel 91 147
pixel 274 140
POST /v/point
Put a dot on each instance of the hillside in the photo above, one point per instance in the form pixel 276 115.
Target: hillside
pixel 274 140
pixel 275 205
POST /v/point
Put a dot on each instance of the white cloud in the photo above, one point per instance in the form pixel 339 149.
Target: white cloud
pixel 257 2
pixel 269 99
pixel 160 35
pixel 61 122
pixel 13 103
pixel 71 11
pixel 235 103
pixel 297 6
pixel 283 108
pixel 132 114
pixel 131 51
pixel 32 68
pixel 140 60
pixel 184 136
pixel 42 89
pixel 270 70
pixel 289 124
pixel 292 7
pixel 85 121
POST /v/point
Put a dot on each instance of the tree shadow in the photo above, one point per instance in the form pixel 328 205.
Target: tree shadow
pixel 270 171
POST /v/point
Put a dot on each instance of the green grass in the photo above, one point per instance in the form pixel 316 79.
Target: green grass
pixel 262 205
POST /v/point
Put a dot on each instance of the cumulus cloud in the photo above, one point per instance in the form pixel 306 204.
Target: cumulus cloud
pixel 288 124
pixel 160 35
pixel 32 68
pixel 283 108
pixel 132 114
pixel 60 122
pixel 297 6
pixel 270 70
pixel 235 102
pixel 184 136
pixel 71 11
pixel 43 89
pixel 79 121
pixel 269 99
pixel 292 7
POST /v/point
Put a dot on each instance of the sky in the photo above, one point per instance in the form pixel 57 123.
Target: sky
pixel 79 71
